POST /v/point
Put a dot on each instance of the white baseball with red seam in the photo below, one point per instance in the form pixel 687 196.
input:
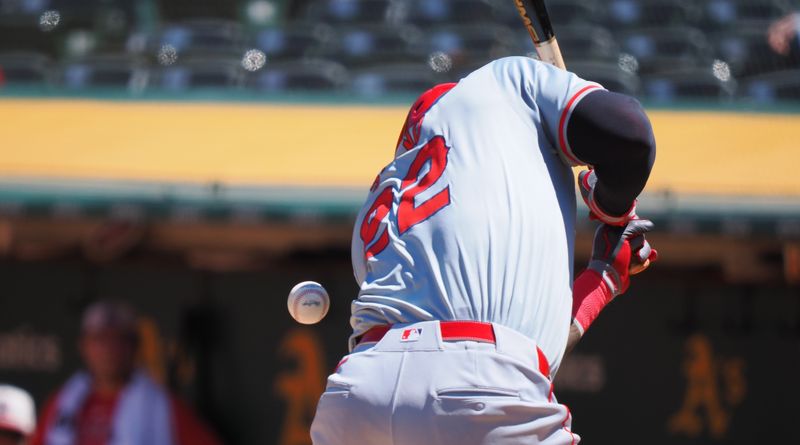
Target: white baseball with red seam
pixel 308 302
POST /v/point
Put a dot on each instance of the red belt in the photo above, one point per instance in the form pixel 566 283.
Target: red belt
pixel 457 331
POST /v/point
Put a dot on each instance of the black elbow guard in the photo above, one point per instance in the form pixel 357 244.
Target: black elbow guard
pixel 608 128
pixel 612 133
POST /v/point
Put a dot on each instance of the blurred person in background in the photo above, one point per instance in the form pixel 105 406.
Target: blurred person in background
pixel 113 402
pixel 17 415
pixel 784 35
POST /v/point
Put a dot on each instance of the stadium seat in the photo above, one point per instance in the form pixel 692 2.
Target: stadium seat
pixel 468 38
pixel 562 12
pixel 201 73
pixel 567 12
pixel 196 9
pixel 112 18
pixel 350 12
pixel 645 13
pixel 307 74
pixel 203 37
pixel 578 43
pixel 15 9
pixel 666 49
pixel 366 45
pixel 610 75
pixel 741 13
pixel 292 42
pixel 117 71
pixel 25 67
pixel 774 87
pixel 694 84
pixel 82 42
pixel 747 51
pixel 43 25
pixel 469 45
pixel 405 78
pixel 117 17
pixel 28 37
pixel 645 45
pixel 439 12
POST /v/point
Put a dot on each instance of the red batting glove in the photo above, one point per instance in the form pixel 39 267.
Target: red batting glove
pixel 617 253
pixel 616 250
pixel 587 180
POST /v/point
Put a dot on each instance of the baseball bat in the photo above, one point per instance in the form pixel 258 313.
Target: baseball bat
pixel 537 21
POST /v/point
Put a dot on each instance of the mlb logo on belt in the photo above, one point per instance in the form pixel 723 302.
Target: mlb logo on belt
pixel 411 334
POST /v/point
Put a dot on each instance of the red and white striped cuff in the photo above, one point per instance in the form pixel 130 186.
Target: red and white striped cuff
pixel 599 213
pixel 611 220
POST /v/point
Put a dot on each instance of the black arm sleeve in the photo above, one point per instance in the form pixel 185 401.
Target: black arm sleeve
pixel 612 133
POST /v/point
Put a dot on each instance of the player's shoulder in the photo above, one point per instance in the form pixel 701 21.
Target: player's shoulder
pixel 521 70
pixel 518 64
pixel 515 61
pixel 506 71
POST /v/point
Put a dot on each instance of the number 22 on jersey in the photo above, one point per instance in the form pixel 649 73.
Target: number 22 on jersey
pixel 374 233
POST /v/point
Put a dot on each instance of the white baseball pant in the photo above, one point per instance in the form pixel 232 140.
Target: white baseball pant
pixel 414 387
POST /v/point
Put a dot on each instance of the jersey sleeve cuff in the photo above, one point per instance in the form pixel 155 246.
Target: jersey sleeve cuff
pixel 563 143
pixel 578 326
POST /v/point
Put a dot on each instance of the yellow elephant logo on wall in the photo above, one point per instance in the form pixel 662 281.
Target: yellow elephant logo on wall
pixel 714 387
pixel 300 387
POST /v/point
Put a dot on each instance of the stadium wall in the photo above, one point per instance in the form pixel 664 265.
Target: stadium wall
pixel 699 151
pixel 697 352
pixel 683 358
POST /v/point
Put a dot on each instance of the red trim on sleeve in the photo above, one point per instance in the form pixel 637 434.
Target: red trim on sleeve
pixel 544 365
pixel 409 135
pixel 341 362
pixel 562 133
pixel 564 425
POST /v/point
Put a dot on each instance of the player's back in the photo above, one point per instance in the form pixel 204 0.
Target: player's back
pixel 474 218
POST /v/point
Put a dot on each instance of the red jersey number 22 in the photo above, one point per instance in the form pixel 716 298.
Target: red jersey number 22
pixel 409 213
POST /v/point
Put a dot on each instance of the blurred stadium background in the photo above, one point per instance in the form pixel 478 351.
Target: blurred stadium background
pixel 197 158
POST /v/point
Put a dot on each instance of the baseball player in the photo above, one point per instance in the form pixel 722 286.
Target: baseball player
pixel 464 252
pixel 17 415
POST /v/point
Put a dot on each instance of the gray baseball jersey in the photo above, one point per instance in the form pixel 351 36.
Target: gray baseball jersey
pixel 474 218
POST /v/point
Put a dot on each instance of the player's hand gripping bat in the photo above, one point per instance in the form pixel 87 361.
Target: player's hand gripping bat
pixel 537 22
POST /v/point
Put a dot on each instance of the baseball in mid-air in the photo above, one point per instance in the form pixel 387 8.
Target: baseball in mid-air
pixel 308 302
